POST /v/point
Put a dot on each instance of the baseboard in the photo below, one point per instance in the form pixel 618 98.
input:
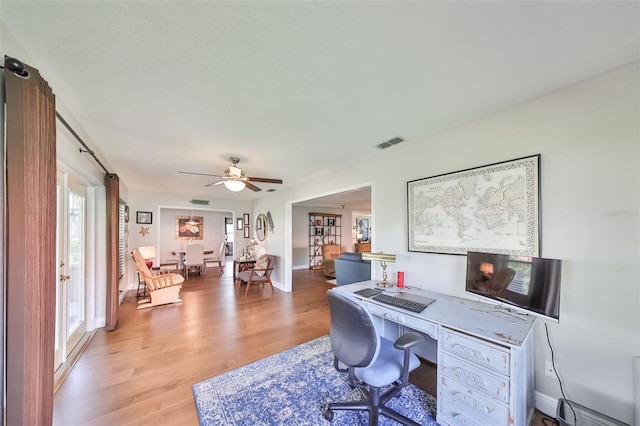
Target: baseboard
pixel 546 404
pixel 295 268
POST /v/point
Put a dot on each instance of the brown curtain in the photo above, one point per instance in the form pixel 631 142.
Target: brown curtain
pixel 112 185
pixel 30 248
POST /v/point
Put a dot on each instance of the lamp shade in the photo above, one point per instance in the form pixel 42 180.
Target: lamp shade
pixel 486 268
pixel 380 257
pixel 147 252
pixel 234 184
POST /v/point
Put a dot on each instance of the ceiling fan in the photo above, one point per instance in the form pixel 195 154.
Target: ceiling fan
pixel 234 178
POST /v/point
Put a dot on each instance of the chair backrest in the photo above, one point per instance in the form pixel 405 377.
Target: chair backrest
pixel 141 265
pixel 330 251
pixel 194 254
pixel 221 253
pixel 354 338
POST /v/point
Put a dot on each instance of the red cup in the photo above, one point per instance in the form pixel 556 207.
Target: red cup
pixel 400 279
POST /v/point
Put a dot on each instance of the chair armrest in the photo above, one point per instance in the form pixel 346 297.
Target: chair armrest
pixel 405 343
pixel 408 340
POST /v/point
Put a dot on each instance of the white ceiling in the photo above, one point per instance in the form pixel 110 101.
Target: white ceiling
pixel 297 89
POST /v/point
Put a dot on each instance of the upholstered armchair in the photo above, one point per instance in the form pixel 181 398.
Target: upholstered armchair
pixel 329 253
pixel 259 274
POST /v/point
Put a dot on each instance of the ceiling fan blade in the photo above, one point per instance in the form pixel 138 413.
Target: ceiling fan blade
pixel 215 183
pixel 199 174
pixel 252 187
pixel 265 180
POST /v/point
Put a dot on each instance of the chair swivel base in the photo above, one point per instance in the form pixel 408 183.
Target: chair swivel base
pixel 374 404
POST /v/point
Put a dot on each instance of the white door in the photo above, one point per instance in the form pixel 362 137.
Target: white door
pixel 71 279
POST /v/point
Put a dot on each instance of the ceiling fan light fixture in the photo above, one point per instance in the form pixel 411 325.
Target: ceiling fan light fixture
pixel 234 184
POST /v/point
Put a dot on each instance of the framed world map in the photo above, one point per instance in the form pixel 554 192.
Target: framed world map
pixel 492 209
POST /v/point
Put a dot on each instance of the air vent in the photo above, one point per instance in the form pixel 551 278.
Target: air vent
pixel 271 190
pixel 390 143
pixel 199 202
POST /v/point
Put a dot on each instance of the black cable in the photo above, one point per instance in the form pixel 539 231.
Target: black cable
pixel 553 364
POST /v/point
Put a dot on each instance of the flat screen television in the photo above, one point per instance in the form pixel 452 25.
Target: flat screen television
pixel 528 284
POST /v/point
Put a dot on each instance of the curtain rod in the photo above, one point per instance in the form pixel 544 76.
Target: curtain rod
pixel 17 67
pixel 87 149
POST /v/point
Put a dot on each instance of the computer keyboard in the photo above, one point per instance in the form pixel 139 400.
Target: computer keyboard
pixel 409 305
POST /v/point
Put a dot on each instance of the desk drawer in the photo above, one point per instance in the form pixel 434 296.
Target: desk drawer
pixel 461 402
pixel 399 317
pixel 490 356
pixel 494 385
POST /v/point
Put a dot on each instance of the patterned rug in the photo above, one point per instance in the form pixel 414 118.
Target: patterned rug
pixel 292 388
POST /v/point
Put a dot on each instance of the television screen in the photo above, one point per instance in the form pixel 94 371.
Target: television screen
pixel 528 283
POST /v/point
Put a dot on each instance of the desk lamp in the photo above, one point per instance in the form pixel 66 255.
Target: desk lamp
pixel 383 258
pixel 148 253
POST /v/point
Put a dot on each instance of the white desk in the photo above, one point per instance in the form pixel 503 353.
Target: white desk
pixel 484 355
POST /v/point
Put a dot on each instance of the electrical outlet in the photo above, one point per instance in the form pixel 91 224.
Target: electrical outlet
pixel 548 370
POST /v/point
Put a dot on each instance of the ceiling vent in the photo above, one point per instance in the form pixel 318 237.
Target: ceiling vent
pixel 199 202
pixel 390 143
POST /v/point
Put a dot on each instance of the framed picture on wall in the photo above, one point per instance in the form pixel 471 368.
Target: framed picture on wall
pixel 247 232
pixel 144 217
pixel 492 209
pixel 239 224
pixel 189 227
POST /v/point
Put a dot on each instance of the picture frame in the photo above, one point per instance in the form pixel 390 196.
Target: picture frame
pixel 245 219
pixel 491 209
pixel 144 217
pixel 187 231
pixel 247 232
pixel 362 229
pixel 331 221
pixel 319 231
pixel 239 224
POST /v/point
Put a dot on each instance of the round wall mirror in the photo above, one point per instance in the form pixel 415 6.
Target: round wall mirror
pixel 261 227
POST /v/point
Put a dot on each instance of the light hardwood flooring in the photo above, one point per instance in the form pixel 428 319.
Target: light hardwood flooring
pixel 142 372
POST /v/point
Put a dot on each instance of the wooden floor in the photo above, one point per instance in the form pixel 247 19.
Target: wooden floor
pixel 142 372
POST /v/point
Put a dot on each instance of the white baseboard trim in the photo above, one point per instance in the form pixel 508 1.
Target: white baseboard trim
pixel 295 268
pixel 546 404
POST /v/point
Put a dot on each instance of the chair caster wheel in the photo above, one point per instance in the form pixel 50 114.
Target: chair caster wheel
pixel 328 414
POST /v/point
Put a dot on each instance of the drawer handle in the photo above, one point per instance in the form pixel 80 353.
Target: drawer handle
pixel 469 376
pixel 472 402
pixel 470 352
pixel 464 420
pixel 393 317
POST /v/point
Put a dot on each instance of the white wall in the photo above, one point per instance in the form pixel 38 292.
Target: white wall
pixel 587 135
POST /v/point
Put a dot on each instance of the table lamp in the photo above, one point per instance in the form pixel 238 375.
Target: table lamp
pixel 383 258
pixel 148 253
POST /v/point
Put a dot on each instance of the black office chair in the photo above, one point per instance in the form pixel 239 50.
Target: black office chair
pixel 372 361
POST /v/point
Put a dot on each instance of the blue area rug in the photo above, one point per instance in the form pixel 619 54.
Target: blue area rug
pixel 292 388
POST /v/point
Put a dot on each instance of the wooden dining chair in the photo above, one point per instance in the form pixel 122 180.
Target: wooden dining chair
pixel 194 258
pixel 219 259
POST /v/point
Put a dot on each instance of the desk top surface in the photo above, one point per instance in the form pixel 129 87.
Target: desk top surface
pixel 483 320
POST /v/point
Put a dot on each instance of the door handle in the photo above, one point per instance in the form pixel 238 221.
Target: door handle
pixel 64 277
